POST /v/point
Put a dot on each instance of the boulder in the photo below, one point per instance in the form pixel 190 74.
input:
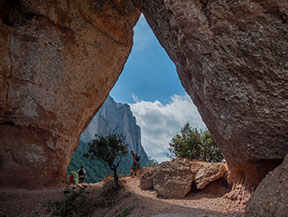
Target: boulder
pixel 146 178
pixel 173 179
pixel 209 173
pixel 231 57
pixel 58 61
pixel 270 199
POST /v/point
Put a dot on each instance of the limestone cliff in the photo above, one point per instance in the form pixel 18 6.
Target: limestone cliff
pixel 115 117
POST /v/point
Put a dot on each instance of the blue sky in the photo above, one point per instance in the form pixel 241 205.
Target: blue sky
pixel 148 74
pixel 150 85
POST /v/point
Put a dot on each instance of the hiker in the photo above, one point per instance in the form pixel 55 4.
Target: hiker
pixel 131 171
pixel 72 180
pixel 135 163
pixel 81 174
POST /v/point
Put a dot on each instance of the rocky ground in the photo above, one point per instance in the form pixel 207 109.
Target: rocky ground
pixel 131 199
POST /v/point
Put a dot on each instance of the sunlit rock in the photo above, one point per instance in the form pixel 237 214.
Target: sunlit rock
pixel 59 60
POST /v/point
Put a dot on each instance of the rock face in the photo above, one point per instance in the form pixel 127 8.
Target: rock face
pixel 115 117
pixel 271 197
pixel 59 59
pixel 231 57
pixel 208 174
pixel 58 62
pixel 146 178
pixel 174 179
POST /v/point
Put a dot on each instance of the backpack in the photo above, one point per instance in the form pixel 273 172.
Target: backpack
pixel 137 157
pixel 81 172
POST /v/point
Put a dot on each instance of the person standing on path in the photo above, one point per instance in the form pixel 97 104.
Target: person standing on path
pixel 72 180
pixel 135 163
pixel 81 174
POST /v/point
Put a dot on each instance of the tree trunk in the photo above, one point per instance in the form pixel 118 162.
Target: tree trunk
pixel 116 180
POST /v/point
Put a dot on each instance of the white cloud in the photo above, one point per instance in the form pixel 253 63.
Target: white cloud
pixel 134 97
pixel 159 123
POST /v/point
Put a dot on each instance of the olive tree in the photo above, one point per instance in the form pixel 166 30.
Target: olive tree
pixel 109 149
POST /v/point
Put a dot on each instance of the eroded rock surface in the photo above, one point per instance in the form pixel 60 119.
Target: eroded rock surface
pixel 271 196
pixel 209 173
pixel 231 57
pixel 174 179
pixel 146 178
pixel 58 61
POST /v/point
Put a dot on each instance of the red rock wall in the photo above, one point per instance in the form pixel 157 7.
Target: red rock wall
pixel 231 57
pixel 58 62
pixel 271 197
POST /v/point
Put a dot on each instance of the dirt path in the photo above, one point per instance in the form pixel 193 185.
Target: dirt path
pixel 24 203
pixel 146 204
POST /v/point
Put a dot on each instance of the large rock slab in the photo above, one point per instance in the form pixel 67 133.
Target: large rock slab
pixel 58 61
pixel 231 57
pixel 209 173
pixel 173 179
pixel 271 196
pixel 146 178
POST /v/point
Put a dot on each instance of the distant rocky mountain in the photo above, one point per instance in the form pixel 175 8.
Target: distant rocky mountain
pixel 116 118
pixel 112 117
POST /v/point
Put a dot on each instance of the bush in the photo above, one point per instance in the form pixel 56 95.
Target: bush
pixel 126 211
pixel 72 205
pixel 194 144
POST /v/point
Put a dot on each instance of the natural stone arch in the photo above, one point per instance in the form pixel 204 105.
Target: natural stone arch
pixel 227 54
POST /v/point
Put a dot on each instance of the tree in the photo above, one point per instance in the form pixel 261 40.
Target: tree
pixel 194 144
pixel 109 149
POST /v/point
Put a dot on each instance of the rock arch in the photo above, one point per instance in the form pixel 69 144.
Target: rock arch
pixel 231 57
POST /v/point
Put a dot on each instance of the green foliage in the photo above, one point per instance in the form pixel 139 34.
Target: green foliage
pixel 96 170
pixel 76 177
pixel 126 211
pixel 194 144
pixel 72 205
pixel 109 149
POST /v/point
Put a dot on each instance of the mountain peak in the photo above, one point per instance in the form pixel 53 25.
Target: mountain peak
pixel 115 117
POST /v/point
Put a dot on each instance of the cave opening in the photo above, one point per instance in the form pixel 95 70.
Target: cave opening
pixel 150 90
